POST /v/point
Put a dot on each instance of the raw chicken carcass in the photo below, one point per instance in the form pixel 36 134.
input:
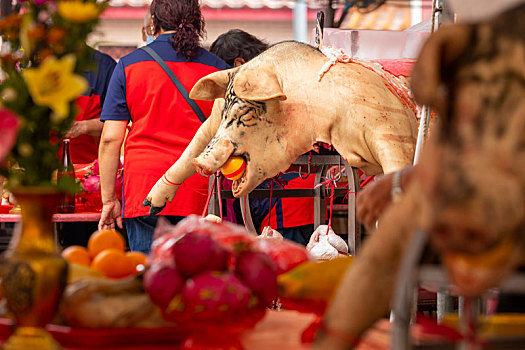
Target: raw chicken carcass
pixel 325 245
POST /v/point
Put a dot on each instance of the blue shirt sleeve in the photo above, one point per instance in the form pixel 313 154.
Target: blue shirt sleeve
pixel 106 66
pixel 115 104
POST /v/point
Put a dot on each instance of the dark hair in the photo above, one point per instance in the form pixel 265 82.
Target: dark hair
pixel 237 43
pixel 183 16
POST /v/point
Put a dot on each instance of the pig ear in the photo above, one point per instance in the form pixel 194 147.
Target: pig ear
pixel 258 85
pixel 212 86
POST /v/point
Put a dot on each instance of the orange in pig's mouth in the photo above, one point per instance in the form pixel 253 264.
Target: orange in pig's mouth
pixel 239 184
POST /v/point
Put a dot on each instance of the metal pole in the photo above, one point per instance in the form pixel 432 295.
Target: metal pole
pixel 319 26
pixel 300 21
pixel 416 11
pixel 437 8
pixel 404 291
pixel 422 133
pixel 330 14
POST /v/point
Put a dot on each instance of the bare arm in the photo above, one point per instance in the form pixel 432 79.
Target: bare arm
pixel 364 293
pixel 108 154
pixel 166 187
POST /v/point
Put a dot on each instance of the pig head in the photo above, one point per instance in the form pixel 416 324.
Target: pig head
pixel 273 109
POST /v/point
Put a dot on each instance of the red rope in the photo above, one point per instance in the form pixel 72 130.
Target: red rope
pixel 217 176
pixel 331 208
pixel 208 200
pixel 168 182
pixel 348 192
pixel 270 209
pixel 366 181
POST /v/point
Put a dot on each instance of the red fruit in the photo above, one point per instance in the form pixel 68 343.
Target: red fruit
pixel 162 282
pixel 284 253
pixel 215 295
pixel 227 234
pixel 162 246
pixel 92 184
pixel 258 271
pixel 195 253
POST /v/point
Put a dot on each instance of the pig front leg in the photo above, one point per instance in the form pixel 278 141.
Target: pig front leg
pixel 365 292
pixel 394 152
pixel 168 184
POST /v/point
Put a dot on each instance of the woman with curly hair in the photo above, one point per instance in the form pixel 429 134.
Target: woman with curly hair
pixel 164 123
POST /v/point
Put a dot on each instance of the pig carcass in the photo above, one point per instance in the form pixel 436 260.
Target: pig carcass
pixel 469 191
pixel 274 108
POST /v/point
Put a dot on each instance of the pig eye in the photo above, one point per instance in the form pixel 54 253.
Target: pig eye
pixel 246 116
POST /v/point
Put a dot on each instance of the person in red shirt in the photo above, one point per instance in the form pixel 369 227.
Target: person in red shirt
pixel 141 91
pixel 84 136
pixel 85 132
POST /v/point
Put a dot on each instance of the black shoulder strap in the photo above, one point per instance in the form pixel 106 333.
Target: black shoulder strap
pixel 176 81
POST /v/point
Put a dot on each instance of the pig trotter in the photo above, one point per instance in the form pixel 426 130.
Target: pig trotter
pixel 153 210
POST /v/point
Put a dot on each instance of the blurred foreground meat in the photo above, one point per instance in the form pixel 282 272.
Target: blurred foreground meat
pixel 469 192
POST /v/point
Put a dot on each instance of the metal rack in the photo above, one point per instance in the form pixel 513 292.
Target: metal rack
pixel 318 165
pixel 411 275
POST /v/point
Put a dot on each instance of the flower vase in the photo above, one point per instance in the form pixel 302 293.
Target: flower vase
pixel 33 272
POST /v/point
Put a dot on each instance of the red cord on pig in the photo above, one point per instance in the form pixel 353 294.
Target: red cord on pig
pixel 168 182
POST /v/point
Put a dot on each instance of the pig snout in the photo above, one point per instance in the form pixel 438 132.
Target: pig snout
pixel 214 156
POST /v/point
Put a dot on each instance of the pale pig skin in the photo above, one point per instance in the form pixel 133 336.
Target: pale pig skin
pixel 273 109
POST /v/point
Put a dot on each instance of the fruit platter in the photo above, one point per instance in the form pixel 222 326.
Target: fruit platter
pixel 203 286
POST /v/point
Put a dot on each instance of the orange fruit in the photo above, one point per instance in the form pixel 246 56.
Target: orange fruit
pixel 234 167
pixel 76 254
pixel 113 263
pixel 105 239
pixel 137 258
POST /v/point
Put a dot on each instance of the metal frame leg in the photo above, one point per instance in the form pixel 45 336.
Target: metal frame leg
pixel 213 206
pixel 444 305
pixel 319 209
pixel 354 227
pixel 246 214
pixel 404 290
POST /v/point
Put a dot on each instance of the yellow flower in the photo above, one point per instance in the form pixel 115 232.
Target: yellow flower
pixel 78 11
pixel 53 84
